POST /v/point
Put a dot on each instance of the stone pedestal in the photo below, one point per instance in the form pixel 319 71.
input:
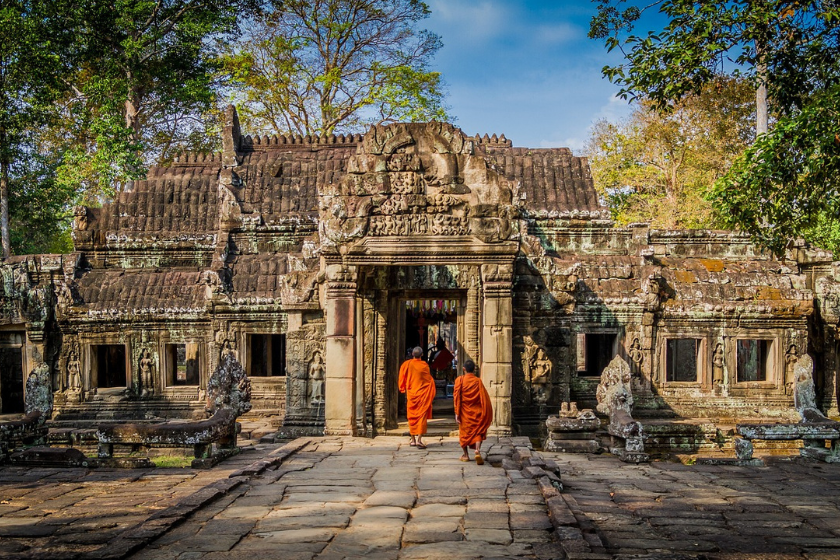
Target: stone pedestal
pixel 572 431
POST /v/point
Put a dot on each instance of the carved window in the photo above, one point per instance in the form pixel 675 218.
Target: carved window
pixel 755 360
pixel 182 364
pixel 681 360
pixel 595 351
pixel 109 365
pixel 267 355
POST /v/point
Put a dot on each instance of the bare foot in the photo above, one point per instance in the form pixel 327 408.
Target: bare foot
pixel 464 458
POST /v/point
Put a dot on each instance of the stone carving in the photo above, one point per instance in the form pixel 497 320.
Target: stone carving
pixel 226 343
pixel 229 387
pixel 297 287
pixel 80 218
pixel 636 354
pixel 537 368
pixel 39 395
pixel 804 393
pixel 417 179
pixel 615 399
pixel 572 431
pixel 145 367
pixel 717 368
pixel 213 283
pixel 74 372
pixel 791 358
pixel 38 304
pixel 64 297
pixel 317 372
pixel 814 428
pixel 302 345
pixel 652 292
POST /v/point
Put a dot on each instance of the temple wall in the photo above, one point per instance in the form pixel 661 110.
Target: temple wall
pixel 295 254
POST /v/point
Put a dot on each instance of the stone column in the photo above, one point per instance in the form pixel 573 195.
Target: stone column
pixel 497 343
pixel 339 389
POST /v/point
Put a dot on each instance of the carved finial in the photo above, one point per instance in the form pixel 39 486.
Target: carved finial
pixel 231 136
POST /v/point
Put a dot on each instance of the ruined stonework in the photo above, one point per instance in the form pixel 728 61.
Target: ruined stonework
pixel 229 387
pixel 39 396
pixel 299 256
pixel 615 400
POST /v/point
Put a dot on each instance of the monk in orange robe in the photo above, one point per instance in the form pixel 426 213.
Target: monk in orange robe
pixel 417 383
pixel 473 411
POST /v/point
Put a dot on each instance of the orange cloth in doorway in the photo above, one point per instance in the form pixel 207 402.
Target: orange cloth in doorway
pixel 474 410
pixel 419 387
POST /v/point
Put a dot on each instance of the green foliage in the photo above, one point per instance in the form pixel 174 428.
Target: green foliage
pixel 172 461
pixel 143 87
pixel 657 167
pixel 324 66
pixel 33 42
pixel 39 208
pixel 785 185
pixel 797 42
pixel 788 183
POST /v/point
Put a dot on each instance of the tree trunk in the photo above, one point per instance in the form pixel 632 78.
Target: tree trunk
pixel 761 109
pixel 4 202
pixel 761 118
pixel 132 104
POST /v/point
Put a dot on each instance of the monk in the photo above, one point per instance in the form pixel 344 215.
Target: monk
pixel 419 387
pixel 473 412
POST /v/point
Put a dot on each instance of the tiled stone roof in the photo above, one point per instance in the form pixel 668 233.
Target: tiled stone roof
pixel 141 291
pixel 281 178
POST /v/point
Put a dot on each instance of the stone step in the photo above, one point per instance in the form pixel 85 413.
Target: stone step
pixel 436 427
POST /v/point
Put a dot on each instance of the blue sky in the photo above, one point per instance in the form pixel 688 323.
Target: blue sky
pixel 524 68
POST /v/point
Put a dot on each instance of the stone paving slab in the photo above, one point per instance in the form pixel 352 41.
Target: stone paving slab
pixel 667 510
pixel 374 499
pixel 77 513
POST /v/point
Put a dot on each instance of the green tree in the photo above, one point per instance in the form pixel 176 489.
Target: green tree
pixel 32 66
pixel 787 184
pixel 321 66
pixel 658 167
pixel 144 86
pixel 788 49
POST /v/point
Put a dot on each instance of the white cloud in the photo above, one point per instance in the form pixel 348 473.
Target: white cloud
pixel 476 21
pixel 614 109
pixel 558 33
pixel 573 143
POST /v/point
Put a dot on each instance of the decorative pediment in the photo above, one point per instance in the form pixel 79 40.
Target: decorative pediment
pixel 409 180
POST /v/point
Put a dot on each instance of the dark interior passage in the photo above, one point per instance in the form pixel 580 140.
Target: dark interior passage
pixel 11 380
pixel 432 325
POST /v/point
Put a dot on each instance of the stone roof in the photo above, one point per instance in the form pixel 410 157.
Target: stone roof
pixel 551 179
pixel 280 179
pixel 123 292
pixel 172 199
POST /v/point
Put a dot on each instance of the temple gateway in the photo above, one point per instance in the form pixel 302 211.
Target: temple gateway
pixel 318 261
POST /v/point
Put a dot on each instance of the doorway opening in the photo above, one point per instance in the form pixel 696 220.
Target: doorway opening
pixel 432 324
pixel 11 380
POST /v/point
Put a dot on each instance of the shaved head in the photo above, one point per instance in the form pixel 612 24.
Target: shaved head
pixel 417 352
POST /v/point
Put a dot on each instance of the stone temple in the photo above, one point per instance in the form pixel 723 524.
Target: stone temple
pixel 319 261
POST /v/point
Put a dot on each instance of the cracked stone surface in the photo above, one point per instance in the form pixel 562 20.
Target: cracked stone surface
pixel 789 509
pixel 377 499
pixel 71 513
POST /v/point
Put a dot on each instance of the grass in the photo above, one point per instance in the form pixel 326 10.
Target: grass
pixel 172 462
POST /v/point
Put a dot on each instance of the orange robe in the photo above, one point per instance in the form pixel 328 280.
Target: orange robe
pixel 473 407
pixel 419 387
